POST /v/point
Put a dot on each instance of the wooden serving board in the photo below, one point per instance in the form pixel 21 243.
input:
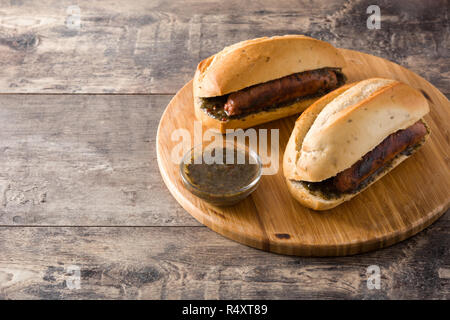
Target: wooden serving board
pixel 399 205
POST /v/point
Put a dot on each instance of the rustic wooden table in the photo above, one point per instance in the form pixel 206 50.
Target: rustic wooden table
pixel 82 90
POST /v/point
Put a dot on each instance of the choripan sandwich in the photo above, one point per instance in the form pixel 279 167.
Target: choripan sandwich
pixel 352 137
pixel 265 79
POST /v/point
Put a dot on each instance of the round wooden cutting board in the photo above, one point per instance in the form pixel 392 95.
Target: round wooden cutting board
pixel 399 205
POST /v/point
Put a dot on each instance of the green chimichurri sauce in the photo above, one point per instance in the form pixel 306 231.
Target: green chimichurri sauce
pixel 222 178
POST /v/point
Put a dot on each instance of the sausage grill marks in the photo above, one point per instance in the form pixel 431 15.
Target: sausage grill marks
pixel 349 179
pixel 281 90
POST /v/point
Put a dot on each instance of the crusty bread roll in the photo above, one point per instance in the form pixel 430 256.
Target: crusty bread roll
pixel 340 128
pixel 257 61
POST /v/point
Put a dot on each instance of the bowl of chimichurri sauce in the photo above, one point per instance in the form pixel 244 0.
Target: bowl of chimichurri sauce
pixel 222 174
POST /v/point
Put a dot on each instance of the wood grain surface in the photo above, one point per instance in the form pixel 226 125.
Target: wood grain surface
pixel 154 46
pixel 57 172
pixel 83 160
pixel 399 205
pixel 196 263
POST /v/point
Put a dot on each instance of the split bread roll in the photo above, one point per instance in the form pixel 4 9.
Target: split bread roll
pixel 352 137
pixel 264 79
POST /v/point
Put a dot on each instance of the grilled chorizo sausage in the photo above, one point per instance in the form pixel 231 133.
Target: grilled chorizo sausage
pixel 281 90
pixel 349 179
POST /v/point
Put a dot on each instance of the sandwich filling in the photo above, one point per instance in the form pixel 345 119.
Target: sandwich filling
pixel 274 94
pixel 360 174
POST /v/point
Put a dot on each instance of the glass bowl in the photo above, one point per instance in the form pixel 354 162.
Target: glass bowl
pixel 221 182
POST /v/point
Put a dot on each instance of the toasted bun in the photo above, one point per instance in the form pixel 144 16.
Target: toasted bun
pixel 341 127
pixel 257 61
pixel 317 202
pixel 302 126
pixel 260 60
pixel 354 123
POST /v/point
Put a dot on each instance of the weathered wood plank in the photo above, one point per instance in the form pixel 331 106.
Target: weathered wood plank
pixel 83 160
pixel 153 46
pixel 196 263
